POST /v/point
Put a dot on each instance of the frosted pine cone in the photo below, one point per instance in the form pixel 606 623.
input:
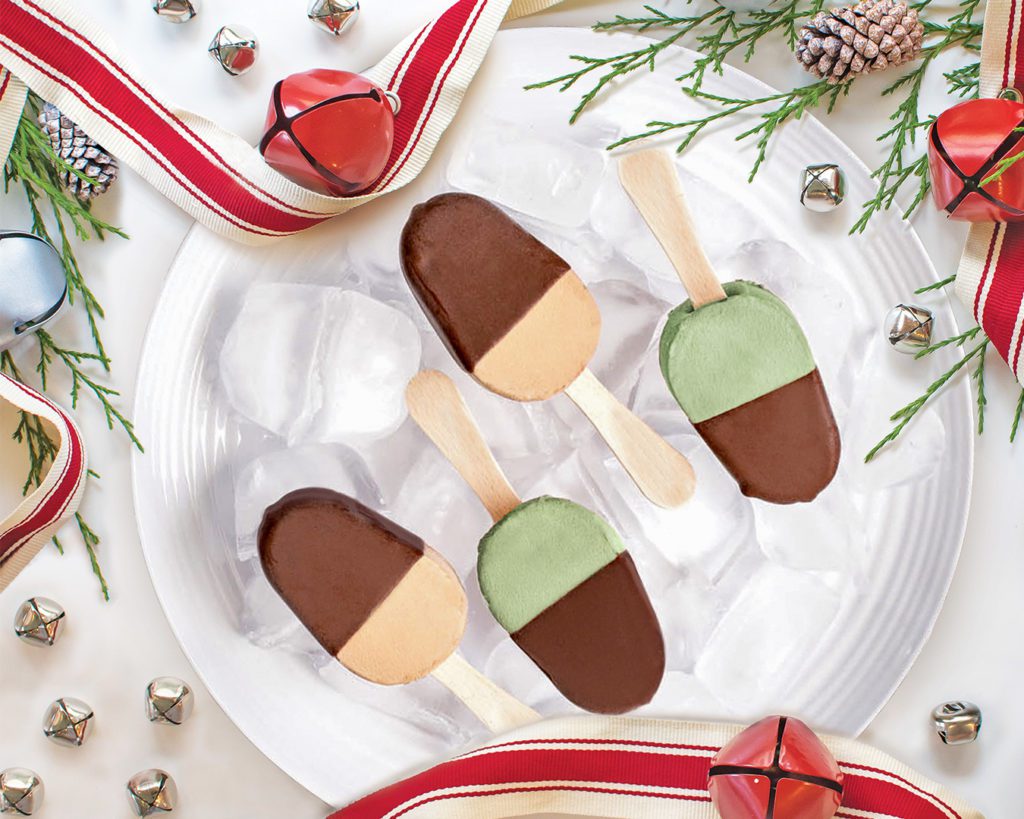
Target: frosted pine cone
pixel 79 151
pixel 849 40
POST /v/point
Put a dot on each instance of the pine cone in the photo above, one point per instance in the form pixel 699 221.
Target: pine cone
pixel 79 151
pixel 849 40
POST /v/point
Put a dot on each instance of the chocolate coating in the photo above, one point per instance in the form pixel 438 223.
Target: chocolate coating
pixel 783 447
pixel 475 272
pixel 333 560
pixel 601 644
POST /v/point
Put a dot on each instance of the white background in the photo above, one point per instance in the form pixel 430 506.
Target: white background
pixel 111 650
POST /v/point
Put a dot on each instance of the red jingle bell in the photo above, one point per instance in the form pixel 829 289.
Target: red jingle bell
pixel 329 131
pixel 965 146
pixel 776 769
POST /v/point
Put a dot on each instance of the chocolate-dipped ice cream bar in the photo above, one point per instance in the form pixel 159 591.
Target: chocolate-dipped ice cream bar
pixel 515 315
pixel 735 358
pixel 555 575
pixel 376 597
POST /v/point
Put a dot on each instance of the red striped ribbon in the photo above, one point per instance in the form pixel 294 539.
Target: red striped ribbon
pixel 601 767
pixel 53 48
pixel 41 513
pixel 990 279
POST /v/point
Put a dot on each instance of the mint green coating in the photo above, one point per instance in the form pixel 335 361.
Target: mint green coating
pixel 730 352
pixel 539 552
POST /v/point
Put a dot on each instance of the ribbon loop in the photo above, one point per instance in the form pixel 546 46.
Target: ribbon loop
pixel 41 513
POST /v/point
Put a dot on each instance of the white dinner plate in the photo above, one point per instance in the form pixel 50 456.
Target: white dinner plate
pixel 816 610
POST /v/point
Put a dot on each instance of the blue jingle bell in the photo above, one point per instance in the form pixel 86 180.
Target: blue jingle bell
pixel 32 285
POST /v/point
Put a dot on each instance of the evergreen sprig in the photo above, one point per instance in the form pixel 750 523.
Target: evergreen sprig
pixel 718 34
pixel 898 168
pixel 787 105
pixel 905 414
pixel 606 70
pixel 34 168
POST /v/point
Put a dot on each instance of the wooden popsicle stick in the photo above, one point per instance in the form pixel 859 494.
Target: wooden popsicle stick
pixel 664 475
pixel 437 406
pixel 651 180
pixel 495 707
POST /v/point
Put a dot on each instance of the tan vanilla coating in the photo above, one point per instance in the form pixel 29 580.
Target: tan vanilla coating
pixel 414 630
pixel 511 311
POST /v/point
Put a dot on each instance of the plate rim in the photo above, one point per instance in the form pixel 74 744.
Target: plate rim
pixel 143 522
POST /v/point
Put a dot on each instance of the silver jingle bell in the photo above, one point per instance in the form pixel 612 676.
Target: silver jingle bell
pixel 176 11
pixel 909 328
pixel 152 791
pixel 67 721
pixel 38 621
pixel 169 701
pixel 958 722
pixel 333 16
pixel 32 285
pixel 235 48
pixel 824 187
pixel 21 792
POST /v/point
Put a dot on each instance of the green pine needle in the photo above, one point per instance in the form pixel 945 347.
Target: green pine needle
pixel 979 377
pixel 905 415
pixel 936 285
pixel 92 541
pixel 957 340
pixel 1004 164
pixel 1016 417
pixel 35 169
pixel 964 82
pixel 719 34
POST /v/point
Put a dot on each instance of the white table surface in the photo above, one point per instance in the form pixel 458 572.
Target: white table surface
pixel 111 650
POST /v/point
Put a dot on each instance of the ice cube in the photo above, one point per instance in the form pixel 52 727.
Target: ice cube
pixel 369 352
pixel 552 181
pixel 763 641
pixel 919 449
pixel 706 532
pixel 424 705
pixel 682 696
pixel 437 504
pixel 268 622
pixel 827 535
pixel 319 363
pixel 269 477
pixel 687 611
pixel 616 219
pixel 630 315
pixel 269 358
pixel 650 397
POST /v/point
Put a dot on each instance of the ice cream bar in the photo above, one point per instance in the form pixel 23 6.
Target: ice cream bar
pixel 559 580
pixel 383 603
pixel 735 358
pixel 509 309
pixel 555 575
pixel 743 372
pixel 516 316
pixel 386 605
